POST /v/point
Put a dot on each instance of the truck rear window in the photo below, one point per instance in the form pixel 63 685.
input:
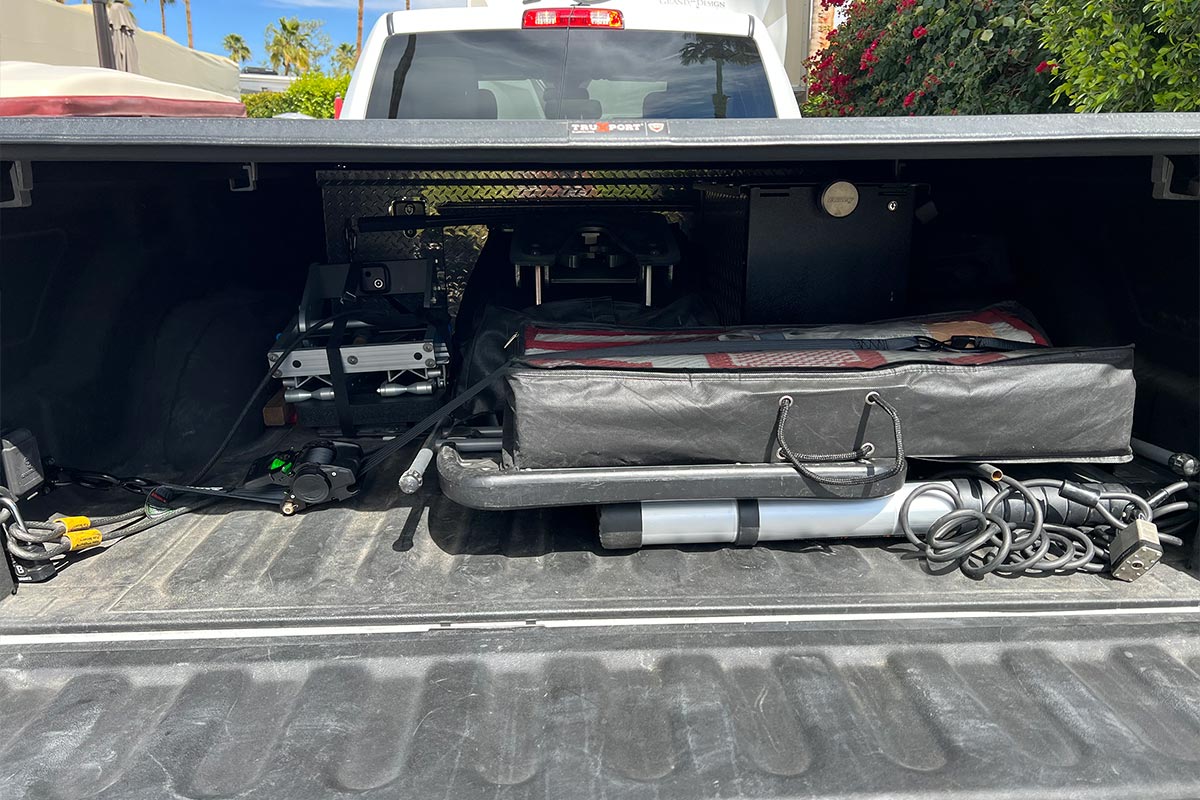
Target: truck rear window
pixel 569 74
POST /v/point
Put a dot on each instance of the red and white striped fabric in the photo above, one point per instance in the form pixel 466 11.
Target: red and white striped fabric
pixel 1006 322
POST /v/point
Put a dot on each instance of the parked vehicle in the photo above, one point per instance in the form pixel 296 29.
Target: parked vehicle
pixel 607 61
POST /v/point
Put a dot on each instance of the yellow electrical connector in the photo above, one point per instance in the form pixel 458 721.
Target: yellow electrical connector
pixel 83 539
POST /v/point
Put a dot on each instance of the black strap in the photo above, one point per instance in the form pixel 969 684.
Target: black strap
pixel 737 346
pixel 337 376
pixel 397 444
pixel 896 344
pixel 989 343
pixel 748 523
pixel 270 495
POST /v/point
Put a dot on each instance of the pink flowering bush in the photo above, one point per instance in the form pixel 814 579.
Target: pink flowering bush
pixel 908 57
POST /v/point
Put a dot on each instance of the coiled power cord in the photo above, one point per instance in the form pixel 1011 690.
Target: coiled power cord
pixel 1010 532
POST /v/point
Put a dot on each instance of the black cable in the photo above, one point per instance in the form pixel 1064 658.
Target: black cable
pixel 1016 539
pixel 153 520
pixel 87 479
pixel 43 541
pixel 96 522
pixel 50 546
pixel 299 337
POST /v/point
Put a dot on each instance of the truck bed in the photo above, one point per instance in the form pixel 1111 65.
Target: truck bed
pixel 412 648
pixel 399 559
pixel 404 646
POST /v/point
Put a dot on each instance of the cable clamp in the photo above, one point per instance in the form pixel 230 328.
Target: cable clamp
pixel 81 540
pixel 70 524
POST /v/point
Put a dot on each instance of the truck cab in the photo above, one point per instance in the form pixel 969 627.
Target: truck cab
pixel 600 62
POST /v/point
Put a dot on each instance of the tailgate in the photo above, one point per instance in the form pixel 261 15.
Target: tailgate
pixel 1004 705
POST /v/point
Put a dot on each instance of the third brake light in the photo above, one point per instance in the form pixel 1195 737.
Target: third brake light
pixel 573 18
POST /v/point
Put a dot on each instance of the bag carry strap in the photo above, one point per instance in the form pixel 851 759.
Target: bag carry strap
pixel 863 452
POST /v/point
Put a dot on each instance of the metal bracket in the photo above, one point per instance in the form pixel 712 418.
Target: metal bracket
pixel 1162 173
pixel 406 207
pixel 251 180
pixel 16 184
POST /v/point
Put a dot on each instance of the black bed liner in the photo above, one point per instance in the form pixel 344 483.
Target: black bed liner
pixel 395 558
pixel 413 648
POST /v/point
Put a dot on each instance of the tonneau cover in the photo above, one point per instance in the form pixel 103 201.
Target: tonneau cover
pixel 682 142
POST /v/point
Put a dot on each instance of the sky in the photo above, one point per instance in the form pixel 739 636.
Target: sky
pixel 213 19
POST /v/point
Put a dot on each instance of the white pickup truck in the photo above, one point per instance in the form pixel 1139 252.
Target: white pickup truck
pixel 599 61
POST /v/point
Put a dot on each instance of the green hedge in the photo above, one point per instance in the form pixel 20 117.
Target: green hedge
pixel 310 94
pixel 1008 56
pixel 1125 55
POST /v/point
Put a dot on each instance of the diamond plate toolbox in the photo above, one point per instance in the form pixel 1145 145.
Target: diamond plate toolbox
pixel 349 194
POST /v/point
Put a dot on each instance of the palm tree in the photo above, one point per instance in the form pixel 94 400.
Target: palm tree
pixel 187 7
pixel 721 50
pixel 343 59
pixel 237 48
pixel 289 45
pixel 162 10
pixel 358 41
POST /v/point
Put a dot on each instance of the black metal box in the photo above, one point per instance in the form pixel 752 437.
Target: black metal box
pixel 805 265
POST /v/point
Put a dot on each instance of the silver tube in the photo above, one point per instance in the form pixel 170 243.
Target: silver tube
pixel 414 477
pixel 398 389
pixel 844 519
pixel 303 395
pixel 689 521
pixel 412 480
pixel 708 521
